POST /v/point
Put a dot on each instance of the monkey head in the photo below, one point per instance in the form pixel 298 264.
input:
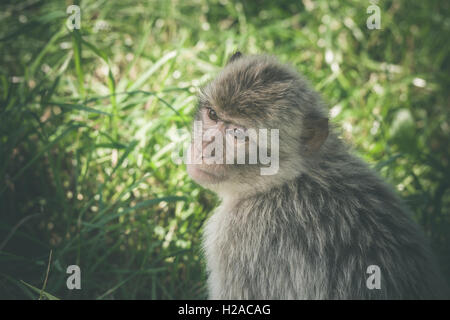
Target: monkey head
pixel 255 107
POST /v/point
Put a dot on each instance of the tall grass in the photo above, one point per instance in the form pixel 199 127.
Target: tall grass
pixel 86 118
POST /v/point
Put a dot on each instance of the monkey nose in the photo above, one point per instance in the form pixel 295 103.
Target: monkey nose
pixel 211 153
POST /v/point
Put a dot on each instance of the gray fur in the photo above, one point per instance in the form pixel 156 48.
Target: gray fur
pixel 311 231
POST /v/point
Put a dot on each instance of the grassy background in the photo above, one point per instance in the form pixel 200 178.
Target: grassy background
pixel 86 118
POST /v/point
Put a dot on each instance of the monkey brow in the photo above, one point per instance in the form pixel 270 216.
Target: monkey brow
pixel 202 103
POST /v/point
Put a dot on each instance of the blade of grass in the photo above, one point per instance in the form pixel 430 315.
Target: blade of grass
pixel 79 107
pixel 77 49
pixel 39 154
pixel 45 294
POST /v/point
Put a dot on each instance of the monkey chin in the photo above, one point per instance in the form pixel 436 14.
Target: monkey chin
pixel 206 175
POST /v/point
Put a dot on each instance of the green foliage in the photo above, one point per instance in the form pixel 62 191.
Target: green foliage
pixel 86 118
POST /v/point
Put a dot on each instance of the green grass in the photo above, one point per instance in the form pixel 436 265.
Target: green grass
pixel 86 118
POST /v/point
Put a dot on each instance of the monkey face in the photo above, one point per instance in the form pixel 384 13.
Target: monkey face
pixel 239 112
pixel 212 151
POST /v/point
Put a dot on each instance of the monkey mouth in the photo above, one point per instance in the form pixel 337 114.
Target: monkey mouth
pixel 208 173
pixel 202 175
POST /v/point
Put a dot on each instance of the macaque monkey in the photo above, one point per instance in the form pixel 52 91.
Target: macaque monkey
pixel 321 224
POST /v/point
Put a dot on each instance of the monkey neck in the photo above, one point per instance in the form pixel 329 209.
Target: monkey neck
pixel 334 167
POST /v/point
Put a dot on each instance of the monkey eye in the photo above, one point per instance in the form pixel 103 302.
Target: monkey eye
pixel 212 114
pixel 240 133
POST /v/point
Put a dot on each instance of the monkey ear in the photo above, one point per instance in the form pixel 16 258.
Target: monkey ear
pixel 315 132
pixel 234 57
